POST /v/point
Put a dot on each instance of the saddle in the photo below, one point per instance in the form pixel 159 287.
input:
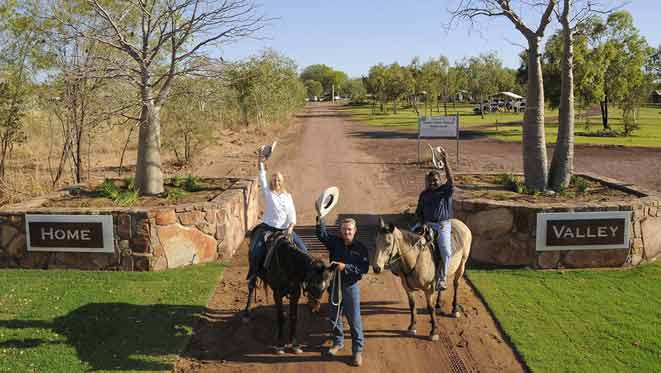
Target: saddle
pixel 430 235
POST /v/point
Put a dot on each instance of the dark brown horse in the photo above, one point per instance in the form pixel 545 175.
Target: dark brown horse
pixel 289 273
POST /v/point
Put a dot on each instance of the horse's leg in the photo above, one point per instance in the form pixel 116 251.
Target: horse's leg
pixel 280 346
pixel 429 295
pixel 293 316
pixel 252 283
pixel 411 296
pixel 457 277
pixel 439 302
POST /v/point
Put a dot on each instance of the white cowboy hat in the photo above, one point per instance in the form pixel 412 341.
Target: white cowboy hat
pixel 327 200
pixel 266 150
pixel 436 155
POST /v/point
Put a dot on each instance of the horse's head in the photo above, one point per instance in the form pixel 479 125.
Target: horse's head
pixel 385 246
pixel 317 279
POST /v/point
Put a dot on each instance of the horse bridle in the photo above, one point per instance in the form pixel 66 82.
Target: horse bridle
pixel 398 255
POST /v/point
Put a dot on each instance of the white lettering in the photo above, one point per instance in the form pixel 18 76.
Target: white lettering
pixel 558 233
pixel 85 235
pixel 602 232
pixel 568 234
pixel 46 233
pixel 613 230
pixel 60 234
pixel 72 235
pixel 578 233
pixel 590 235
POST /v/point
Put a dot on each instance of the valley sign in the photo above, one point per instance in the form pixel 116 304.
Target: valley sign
pixel 583 230
pixel 70 233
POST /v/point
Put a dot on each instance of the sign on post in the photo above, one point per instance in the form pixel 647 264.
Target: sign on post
pixel 69 233
pixel 583 230
pixel 439 127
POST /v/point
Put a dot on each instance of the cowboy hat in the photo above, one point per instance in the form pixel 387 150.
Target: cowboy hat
pixel 266 150
pixel 327 200
pixel 436 155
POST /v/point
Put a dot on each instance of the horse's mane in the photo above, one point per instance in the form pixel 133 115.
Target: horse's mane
pixel 409 237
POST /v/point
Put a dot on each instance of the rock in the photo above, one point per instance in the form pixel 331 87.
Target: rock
pixel 191 217
pixel 17 247
pixel 594 258
pixel 166 217
pixel 548 259
pixel 491 223
pixel 181 245
pixel 651 229
pixel 124 226
pixel 211 215
pixel 35 260
pixel 7 234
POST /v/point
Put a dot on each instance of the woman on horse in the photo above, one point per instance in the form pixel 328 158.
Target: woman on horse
pixel 279 216
pixel 435 210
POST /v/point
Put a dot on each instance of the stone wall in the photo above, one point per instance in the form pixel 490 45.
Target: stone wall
pixel 145 239
pixel 504 233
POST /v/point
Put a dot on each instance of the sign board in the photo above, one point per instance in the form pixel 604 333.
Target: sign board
pixel 438 127
pixel 583 230
pixel 69 233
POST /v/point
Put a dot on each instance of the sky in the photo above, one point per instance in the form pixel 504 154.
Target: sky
pixel 353 35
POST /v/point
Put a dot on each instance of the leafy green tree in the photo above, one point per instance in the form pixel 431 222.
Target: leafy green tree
pixel 376 84
pixel 21 55
pixel 314 88
pixel 399 83
pixel 328 77
pixel 355 89
pixel 621 52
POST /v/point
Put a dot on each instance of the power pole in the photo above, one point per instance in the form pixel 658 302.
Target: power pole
pixel 333 91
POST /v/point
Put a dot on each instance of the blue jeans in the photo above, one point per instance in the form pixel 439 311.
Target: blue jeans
pixel 350 307
pixel 444 243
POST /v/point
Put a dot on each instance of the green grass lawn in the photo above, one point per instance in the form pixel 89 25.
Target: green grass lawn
pixel 75 321
pixel 649 134
pixel 579 321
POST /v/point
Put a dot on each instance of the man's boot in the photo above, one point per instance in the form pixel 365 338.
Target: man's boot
pixel 358 359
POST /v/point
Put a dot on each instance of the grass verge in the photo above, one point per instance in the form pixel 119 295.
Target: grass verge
pixel 578 321
pixel 75 321
pixel 648 135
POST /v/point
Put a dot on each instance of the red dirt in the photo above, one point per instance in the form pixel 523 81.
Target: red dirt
pixel 324 150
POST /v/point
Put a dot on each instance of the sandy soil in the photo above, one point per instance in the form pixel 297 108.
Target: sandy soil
pixel 325 149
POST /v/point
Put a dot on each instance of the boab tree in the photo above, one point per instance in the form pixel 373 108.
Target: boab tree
pixel 157 41
pixel 534 139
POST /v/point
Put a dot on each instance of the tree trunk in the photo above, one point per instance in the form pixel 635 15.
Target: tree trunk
pixel 604 112
pixel 534 139
pixel 148 173
pixel 562 165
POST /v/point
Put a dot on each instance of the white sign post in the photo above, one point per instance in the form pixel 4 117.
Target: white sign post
pixel 437 128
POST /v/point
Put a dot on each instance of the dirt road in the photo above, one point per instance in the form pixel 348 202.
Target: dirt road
pixel 327 152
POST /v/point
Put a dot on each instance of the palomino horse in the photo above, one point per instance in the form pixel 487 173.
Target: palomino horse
pixel 290 272
pixel 410 257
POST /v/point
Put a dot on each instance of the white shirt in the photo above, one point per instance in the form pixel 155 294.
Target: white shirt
pixel 279 210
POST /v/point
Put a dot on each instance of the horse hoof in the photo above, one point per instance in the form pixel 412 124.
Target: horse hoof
pixel 279 350
pixel 297 350
pixel 413 332
pixel 434 337
pixel 456 314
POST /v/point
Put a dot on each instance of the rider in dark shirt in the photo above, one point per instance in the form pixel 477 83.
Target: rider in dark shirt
pixel 435 210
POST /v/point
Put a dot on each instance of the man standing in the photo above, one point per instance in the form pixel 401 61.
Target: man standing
pixel 350 257
pixel 435 209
